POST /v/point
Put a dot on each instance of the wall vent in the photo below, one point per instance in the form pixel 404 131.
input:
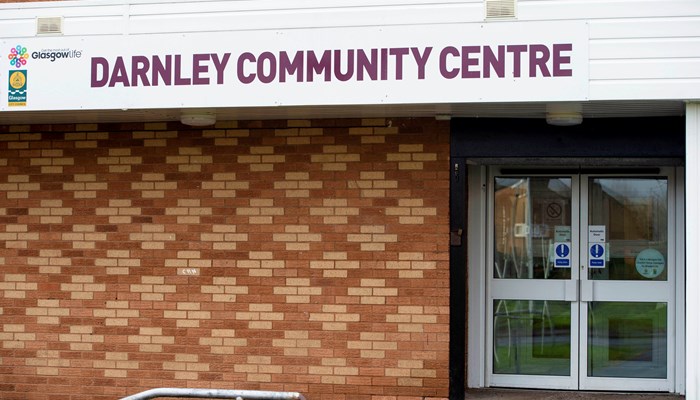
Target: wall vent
pixel 500 9
pixel 49 26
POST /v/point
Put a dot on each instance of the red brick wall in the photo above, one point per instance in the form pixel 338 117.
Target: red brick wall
pixel 319 250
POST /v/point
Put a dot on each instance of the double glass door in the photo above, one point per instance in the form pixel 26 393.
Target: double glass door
pixel 580 288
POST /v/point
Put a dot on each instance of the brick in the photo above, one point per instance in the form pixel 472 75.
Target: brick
pixel 303 232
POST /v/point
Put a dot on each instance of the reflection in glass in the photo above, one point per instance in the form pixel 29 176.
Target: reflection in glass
pixel 634 212
pixel 627 340
pixel 530 216
pixel 532 337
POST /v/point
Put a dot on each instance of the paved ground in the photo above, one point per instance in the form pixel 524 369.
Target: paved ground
pixel 508 394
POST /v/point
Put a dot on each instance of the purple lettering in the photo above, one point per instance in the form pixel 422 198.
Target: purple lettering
pixel 179 80
pixel 444 71
pixel 539 61
pixel 559 59
pixel 161 71
pixel 288 66
pixel 468 61
pixel 198 69
pixel 241 68
pixel 318 66
pixel 366 64
pixel 267 58
pixel 497 63
pixel 139 69
pixel 384 72
pixel 350 70
pixel 399 53
pixel 517 51
pixel 421 59
pixel 220 66
pixel 119 74
pixel 99 72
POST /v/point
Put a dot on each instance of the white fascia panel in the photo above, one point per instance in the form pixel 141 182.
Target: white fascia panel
pixel 645 48
pixel 593 10
pixel 658 68
pixel 679 26
pixel 303 19
pixel 692 213
pixel 644 89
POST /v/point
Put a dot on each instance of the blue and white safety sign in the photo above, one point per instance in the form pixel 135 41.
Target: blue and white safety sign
pixel 596 255
pixel 562 255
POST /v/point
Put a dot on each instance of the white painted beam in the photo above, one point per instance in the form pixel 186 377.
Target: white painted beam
pixel 692 160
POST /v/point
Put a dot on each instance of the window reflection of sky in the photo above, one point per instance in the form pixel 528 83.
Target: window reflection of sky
pixel 633 190
pixel 627 189
pixel 560 186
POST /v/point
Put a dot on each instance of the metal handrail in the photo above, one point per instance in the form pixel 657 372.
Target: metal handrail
pixel 215 394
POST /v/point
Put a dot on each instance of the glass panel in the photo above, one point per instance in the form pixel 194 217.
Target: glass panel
pixel 634 212
pixel 532 228
pixel 627 340
pixel 532 337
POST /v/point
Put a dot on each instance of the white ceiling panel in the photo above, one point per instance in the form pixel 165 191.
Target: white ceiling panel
pixel 601 109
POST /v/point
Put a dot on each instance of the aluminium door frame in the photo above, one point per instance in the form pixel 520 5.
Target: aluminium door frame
pixel 477 217
pixel 622 289
pixel 560 290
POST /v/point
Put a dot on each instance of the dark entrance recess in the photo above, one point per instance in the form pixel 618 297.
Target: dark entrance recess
pixel 628 143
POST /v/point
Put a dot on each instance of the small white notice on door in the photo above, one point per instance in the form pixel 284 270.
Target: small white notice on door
pixel 596 234
pixel 562 233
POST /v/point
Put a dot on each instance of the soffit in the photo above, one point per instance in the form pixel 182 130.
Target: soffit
pixel 601 109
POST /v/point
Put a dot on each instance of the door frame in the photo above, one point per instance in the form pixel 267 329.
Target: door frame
pixel 478 363
pixel 512 289
pixel 478 141
pixel 620 289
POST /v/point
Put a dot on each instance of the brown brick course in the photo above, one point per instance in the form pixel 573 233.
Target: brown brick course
pixel 303 255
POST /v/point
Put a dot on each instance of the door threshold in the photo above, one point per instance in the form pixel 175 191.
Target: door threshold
pixel 547 394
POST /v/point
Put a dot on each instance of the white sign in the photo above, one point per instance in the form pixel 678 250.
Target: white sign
pixel 650 263
pixel 562 233
pixel 562 255
pixel 596 255
pixel 445 63
pixel 596 234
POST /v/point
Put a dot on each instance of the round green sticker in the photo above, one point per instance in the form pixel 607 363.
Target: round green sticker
pixel 650 263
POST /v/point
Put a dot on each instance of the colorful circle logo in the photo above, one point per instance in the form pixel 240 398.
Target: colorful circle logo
pixel 18 56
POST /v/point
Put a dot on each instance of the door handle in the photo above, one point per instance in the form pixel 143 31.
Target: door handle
pixel 586 290
pixel 571 290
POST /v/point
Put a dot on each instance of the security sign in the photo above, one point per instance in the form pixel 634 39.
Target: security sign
pixel 596 255
pixel 562 255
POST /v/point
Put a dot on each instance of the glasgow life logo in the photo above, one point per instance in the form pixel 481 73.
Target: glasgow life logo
pixel 56 54
pixel 18 56
pixel 17 78
pixel 17 90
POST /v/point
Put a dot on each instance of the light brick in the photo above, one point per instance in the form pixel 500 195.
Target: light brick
pixel 303 233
